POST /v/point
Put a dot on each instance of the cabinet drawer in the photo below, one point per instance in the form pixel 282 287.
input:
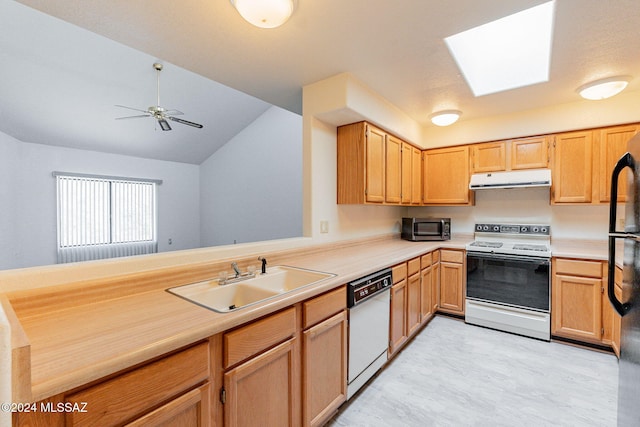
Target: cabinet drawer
pixel 399 272
pixel 122 398
pixel 577 267
pixel 448 255
pixel 413 266
pixel 436 256
pixel 323 306
pixel 426 260
pixel 249 340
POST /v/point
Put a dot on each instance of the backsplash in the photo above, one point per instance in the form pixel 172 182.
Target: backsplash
pixel 525 205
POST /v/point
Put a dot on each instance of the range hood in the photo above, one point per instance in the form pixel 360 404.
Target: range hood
pixel 511 179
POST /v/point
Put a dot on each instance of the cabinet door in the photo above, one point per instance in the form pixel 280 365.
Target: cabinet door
pixel 375 155
pixel 435 286
pixel 407 173
pixel 489 157
pixel 398 316
pixel 612 145
pixel 446 176
pixel 416 176
pixel 324 369
pixel 576 307
pixel 413 303
pixel 264 390
pixel 529 153
pixel 451 288
pixel 426 294
pixel 188 410
pixel 393 170
pixel 617 320
pixel 572 163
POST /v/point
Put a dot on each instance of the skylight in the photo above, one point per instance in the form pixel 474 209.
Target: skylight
pixel 510 52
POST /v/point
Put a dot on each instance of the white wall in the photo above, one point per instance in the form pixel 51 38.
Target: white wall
pixel 251 188
pixel 29 203
pixel 524 206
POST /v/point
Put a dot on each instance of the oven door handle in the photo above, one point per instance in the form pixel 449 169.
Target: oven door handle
pixel 505 257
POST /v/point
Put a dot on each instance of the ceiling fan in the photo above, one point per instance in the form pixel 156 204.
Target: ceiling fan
pixel 159 113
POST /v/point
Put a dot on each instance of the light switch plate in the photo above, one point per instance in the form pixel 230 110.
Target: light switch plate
pixel 324 226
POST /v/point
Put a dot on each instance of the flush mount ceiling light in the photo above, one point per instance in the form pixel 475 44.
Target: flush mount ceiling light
pixel 445 117
pixel 510 52
pixel 265 13
pixel 603 88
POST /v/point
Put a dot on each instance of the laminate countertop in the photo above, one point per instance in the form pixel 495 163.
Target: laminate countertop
pixel 72 345
pixel 77 344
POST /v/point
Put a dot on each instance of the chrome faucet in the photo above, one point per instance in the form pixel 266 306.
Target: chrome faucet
pixel 236 269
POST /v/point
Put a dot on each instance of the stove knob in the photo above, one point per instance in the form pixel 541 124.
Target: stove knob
pixel 524 229
pixel 485 228
pixel 496 228
pixel 479 227
pixel 536 229
pixel 544 230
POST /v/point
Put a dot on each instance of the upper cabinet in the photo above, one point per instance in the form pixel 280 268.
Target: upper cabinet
pixel 516 154
pixel 612 144
pixel 375 167
pixel 446 176
pixel 583 162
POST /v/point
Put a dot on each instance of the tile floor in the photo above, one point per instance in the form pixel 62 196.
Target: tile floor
pixel 453 374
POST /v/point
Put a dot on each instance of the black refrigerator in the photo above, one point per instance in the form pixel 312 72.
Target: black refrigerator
pixel 628 167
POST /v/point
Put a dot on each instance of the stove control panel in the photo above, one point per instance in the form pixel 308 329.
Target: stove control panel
pixel 529 229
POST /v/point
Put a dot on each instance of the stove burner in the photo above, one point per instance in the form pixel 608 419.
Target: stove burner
pixel 522 247
pixel 482 244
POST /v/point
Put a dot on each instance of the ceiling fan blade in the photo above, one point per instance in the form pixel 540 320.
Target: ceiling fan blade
pixel 174 112
pixel 164 124
pixel 133 117
pixel 185 122
pixel 131 108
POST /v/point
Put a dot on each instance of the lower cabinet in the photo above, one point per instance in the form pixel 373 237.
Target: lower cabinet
pixel 171 391
pixel 398 332
pixel 580 308
pixel 264 389
pixel 413 296
pixel 324 357
pixel 452 290
pixel 617 320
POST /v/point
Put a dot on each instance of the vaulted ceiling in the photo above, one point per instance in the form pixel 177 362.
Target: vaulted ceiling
pixel 396 48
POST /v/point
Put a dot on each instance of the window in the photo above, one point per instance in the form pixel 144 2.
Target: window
pixel 104 217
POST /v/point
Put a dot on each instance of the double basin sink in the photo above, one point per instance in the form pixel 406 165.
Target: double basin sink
pixel 277 280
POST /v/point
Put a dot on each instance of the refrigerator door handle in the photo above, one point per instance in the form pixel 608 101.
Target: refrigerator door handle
pixel 625 161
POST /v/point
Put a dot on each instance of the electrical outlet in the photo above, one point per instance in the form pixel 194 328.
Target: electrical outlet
pixel 170 241
pixel 324 226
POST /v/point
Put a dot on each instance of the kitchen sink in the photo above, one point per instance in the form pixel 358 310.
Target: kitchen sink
pixel 278 280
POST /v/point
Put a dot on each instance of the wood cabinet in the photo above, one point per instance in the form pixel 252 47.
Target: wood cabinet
pixel 413 296
pixel 324 357
pixel 393 170
pixel 489 157
pixel 583 162
pixel 262 374
pixel 169 391
pixel 374 168
pixel 516 154
pixel 572 167
pixel 446 176
pixel 580 309
pixel 427 294
pixel 398 332
pixel 452 281
pixel 617 320
pixel 612 144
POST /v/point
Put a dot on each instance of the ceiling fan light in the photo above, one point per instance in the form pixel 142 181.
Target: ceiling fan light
pixel 445 117
pixel 265 13
pixel 603 88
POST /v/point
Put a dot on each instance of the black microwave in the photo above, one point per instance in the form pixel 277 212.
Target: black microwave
pixel 421 229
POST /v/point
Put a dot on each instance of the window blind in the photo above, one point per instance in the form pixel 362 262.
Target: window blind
pixel 102 217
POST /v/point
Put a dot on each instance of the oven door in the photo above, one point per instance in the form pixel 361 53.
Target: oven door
pixel 510 280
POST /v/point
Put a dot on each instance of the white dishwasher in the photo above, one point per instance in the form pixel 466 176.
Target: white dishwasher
pixel 368 303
